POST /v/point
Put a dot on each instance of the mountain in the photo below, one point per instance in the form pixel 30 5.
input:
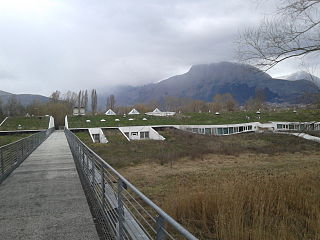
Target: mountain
pixel 24 99
pixel 204 81
pixel 3 93
pixel 302 75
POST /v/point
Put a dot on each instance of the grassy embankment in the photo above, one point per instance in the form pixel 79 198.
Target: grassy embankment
pixel 27 123
pixel 249 186
pixel 194 119
pixel 6 139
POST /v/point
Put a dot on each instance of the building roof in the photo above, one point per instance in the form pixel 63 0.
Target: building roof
pixel 156 110
pixel 110 112
pixel 133 111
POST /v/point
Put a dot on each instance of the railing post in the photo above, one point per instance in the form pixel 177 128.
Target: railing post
pixel 120 211
pixel 103 187
pixel 82 159
pixel 22 150
pixel 93 172
pixel 160 228
pixel 88 169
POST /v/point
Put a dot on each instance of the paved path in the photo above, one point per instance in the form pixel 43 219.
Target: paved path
pixel 305 136
pixel 43 198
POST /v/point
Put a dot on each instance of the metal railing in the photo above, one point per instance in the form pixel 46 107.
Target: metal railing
pixel 13 154
pixel 120 209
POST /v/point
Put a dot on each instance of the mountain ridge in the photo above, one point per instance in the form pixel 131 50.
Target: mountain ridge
pixel 25 99
pixel 302 75
pixel 203 81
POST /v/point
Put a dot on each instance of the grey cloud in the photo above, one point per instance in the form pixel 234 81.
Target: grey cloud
pixel 77 44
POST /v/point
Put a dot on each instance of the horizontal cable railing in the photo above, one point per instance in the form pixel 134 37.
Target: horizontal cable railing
pixel 121 210
pixel 13 154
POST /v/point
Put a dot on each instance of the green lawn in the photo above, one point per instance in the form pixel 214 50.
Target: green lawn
pixel 6 139
pixel 27 123
pixel 194 119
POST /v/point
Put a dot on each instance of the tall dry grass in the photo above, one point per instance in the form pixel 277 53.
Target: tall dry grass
pixel 244 208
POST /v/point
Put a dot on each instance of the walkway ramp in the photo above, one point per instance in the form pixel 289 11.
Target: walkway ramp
pixel 43 198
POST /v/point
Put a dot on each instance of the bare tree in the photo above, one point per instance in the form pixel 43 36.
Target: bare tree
pixel 292 32
pixel 230 102
pixel 55 96
pixel 79 99
pixel 111 101
pixel 85 100
pixel 258 101
pixel 94 101
pixel 13 106
pixel 70 98
pixel 223 102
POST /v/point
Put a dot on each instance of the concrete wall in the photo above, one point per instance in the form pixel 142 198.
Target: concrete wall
pixel 3 121
pixel 296 126
pixel 102 137
pixel 229 129
pixel 51 122
pixel 226 129
pixel 66 124
pixel 137 132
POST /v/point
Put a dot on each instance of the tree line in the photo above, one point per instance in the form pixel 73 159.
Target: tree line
pixel 60 105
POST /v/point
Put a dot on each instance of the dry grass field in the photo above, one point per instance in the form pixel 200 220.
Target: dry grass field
pixel 249 186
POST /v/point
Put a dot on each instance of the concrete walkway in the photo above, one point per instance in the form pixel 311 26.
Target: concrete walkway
pixel 305 136
pixel 43 198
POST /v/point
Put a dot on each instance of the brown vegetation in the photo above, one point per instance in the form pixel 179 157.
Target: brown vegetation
pixel 250 186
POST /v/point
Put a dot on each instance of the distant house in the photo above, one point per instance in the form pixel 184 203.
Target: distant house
pixel 75 111
pixel 157 112
pixel 133 112
pixel 110 112
pixel 82 111
pixel 79 111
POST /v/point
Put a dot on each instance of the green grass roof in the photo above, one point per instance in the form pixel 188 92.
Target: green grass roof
pixel 27 123
pixel 193 119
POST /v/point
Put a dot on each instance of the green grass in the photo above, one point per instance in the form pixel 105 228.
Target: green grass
pixel 27 123
pixel 194 119
pixel 6 139
pixel 121 153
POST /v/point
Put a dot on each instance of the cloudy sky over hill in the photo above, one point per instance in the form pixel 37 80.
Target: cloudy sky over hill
pixel 72 44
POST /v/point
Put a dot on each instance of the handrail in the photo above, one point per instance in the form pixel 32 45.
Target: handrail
pixel 13 154
pixel 128 212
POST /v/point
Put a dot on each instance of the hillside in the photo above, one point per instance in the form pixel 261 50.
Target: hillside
pixel 302 75
pixel 204 81
pixel 24 99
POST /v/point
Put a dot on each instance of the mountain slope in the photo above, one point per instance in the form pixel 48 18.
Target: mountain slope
pixel 205 81
pixel 24 99
pixel 3 93
pixel 302 75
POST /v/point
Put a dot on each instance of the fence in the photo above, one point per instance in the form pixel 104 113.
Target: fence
pixel 120 209
pixel 13 154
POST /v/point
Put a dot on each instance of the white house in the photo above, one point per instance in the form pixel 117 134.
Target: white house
pixel 159 113
pixel 75 111
pixel 110 112
pixel 133 112
pixel 79 111
pixel 82 111
pixel 140 133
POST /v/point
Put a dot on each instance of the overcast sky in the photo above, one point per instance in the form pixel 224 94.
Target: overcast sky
pixel 77 44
